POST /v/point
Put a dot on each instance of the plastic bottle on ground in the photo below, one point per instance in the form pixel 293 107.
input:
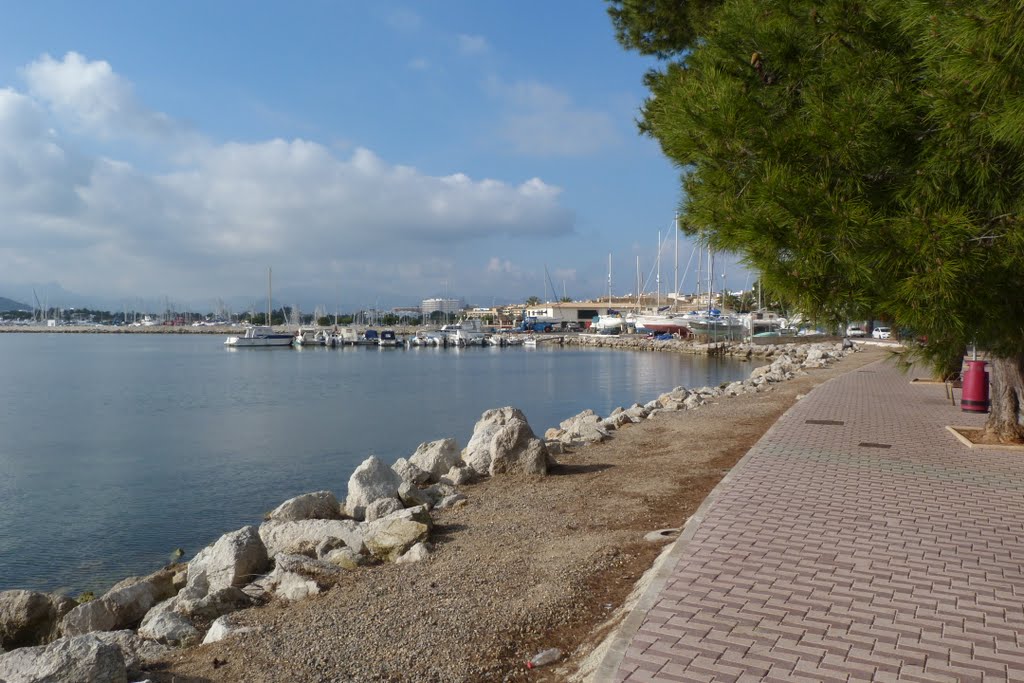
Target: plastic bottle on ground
pixel 544 658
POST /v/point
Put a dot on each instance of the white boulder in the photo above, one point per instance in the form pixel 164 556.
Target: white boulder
pixel 436 457
pixel 233 560
pixel 458 475
pixel 417 553
pixel 66 660
pixel 515 450
pixel 122 606
pixel 411 496
pixel 311 537
pixel 390 537
pixel 371 481
pixel 317 505
pixel 222 628
pixel 169 628
pixel 30 618
pixel 503 442
pixel 382 507
pixel 409 472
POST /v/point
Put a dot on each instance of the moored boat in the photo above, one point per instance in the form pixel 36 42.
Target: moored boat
pixel 260 335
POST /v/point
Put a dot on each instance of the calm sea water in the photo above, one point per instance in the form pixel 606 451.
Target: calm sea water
pixel 116 449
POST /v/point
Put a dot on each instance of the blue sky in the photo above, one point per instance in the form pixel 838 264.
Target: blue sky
pixel 372 153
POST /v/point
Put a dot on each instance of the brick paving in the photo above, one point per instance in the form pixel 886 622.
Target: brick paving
pixel 866 545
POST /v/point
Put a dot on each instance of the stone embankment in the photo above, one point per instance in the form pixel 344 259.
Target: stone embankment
pixel 307 542
pixel 635 342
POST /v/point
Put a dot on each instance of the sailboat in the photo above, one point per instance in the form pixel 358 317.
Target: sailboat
pixel 664 320
pixel 261 335
pixel 713 323
pixel 612 322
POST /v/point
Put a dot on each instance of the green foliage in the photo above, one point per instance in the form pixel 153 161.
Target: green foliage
pixel 662 28
pixel 866 157
pixel 87 596
pixel 533 301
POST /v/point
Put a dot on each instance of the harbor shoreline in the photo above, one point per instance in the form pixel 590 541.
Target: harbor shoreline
pixel 501 594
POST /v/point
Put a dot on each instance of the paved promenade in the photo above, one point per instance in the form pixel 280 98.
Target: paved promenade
pixel 857 541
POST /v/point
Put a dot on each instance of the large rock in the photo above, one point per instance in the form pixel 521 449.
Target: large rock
pixel 210 605
pixel 307 536
pixel 29 618
pixel 137 651
pixel 233 560
pixel 417 553
pixel 297 576
pixel 77 659
pixel 317 505
pixel 371 481
pixel 122 606
pixel 409 472
pixel 344 558
pixel 583 428
pixel 412 495
pixel 515 450
pixel 436 457
pixel 222 628
pixel 390 537
pixel 169 628
pixel 457 476
pixel 503 435
pixel 382 507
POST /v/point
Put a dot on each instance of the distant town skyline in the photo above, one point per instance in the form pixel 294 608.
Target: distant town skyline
pixel 371 154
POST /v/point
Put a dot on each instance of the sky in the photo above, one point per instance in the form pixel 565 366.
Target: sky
pixel 372 154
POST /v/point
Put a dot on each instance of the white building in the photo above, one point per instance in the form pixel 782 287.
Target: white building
pixel 446 306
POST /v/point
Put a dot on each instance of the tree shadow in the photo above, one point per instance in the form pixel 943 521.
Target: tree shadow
pixel 444 533
pixel 561 470
pixel 160 673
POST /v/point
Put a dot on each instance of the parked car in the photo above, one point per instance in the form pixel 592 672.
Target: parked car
pixel 881 333
pixel 855 331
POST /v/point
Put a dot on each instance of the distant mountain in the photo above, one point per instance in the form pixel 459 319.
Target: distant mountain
pixel 12 305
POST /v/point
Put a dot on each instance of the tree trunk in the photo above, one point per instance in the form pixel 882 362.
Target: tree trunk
pixel 1005 423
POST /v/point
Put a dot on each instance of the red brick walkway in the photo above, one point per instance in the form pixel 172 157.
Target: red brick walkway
pixel 873 547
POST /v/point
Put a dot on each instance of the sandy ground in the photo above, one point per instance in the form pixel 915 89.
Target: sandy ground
pixel 529 564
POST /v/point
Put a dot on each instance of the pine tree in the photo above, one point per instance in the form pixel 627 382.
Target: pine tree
pixel 867 157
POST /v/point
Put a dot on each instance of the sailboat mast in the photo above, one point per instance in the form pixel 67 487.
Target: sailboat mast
pixel 270 290
pixel 657 278
pixel 675 267
pixel 638 281
pixel 609 279
pixel 711 275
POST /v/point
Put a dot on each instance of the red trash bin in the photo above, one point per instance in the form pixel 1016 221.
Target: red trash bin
pixel 974 395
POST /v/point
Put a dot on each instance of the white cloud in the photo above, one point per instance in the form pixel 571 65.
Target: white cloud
pixel 498 265
pixel 419 64
pixel 542 121
pixel 95 100
pixel 319 215
pixel 472 45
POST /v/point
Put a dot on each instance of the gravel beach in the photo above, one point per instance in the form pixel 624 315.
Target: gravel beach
pixel 529 564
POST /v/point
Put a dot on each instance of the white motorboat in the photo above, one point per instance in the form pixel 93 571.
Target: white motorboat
pixel 467 332
pixel 260 335
pixel 304 338
pixel 387 339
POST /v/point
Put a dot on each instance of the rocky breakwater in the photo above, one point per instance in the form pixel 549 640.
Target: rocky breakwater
pixel 636 342
pixel 298 551
pixel 787 361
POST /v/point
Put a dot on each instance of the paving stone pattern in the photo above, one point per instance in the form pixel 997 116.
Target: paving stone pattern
pixel 825 560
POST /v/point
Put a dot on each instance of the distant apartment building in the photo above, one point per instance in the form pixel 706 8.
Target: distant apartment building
pixel 446 306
